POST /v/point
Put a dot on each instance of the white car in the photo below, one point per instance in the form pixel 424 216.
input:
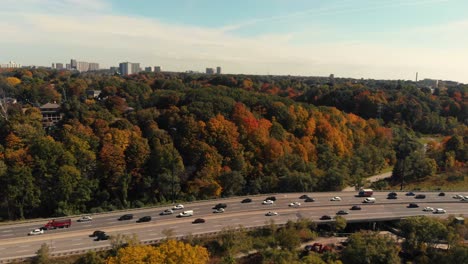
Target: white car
pixel 178 207
pixel 465 199
pixel 428 209
pixel 271 214
pixel 36 232
pixel 336 198
pixel 268 202
pixel 458 196
pixel 85 218
pixel 439 211
pixel 219 210
pixel 295 204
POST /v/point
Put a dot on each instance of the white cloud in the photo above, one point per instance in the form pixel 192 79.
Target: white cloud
pixel 109 39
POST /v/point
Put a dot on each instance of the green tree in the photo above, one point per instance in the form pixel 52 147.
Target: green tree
pixel 370 248
pixel 42 255
pixel 421 232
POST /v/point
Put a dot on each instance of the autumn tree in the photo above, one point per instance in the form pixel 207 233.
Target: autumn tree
pixel 370 247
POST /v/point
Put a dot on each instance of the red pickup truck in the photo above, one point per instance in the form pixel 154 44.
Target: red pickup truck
pixel 53 224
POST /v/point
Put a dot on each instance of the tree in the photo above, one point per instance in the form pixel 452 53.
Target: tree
pixel 422 232
pixel 370 248
pixel 42 255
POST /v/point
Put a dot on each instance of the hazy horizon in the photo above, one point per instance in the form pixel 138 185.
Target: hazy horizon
pixel 355 39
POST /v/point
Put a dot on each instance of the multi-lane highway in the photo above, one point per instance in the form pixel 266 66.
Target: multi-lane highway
pixel 14 241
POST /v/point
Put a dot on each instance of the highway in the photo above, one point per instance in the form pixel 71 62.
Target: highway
pixel 14 241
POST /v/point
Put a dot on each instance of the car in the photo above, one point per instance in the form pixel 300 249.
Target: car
pixel 392 194
pixel 420 196
pixel 178 207
pixel 144 219
pixel 336 198
pixel 246 200
pixel 198 221
pixel 325 217
pixel 268 202
pixel 458 196
pixel 441 194
pixel 439 211
pixel 309 199
pixel 220 205
pixel 167 212
pixel 36 231
pixel 271 198
pixel 428 209
pixel 85 218
pixel 219 210
pixel 356 207
pixel 342 212
pixel 102 236
pixel 294 204
pixel 95 233
pixel 392 197
pixel 271 213
pixel 464 199
pixel 410 194
pixel 304 196
pixel 413 205
pixel 126 217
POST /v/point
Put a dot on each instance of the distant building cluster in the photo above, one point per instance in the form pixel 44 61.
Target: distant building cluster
pixel 10 64
pixel 128 68
pixel 212 71
pixel 81 66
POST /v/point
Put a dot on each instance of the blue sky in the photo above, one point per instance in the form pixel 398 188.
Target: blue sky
pixel 382 39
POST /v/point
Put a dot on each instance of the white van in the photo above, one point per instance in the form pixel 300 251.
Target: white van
pixel 186 213
pixel 369 200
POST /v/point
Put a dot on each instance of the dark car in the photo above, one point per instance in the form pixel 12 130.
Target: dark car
pixel 392 197
pixel 271 198
pixel 442 194
pixel 342 212
pixel 304 196
pixel 198 221
pixel 392 194
pixel 144 219
pixel 410 194
pixel 126 217
pixel 420 196
pixel 246 200
pixel 220 205
pixel 413 205
pixel 309 199
pixel 356 207
pixel 101 236
pixel 325 217
pixel 95 233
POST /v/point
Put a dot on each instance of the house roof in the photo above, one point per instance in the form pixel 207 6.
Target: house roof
pixel 50 105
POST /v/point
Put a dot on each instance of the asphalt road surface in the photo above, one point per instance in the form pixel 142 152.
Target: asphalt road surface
pixel 14 241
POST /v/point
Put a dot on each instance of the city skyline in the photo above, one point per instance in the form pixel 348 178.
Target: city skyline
pixel 357 39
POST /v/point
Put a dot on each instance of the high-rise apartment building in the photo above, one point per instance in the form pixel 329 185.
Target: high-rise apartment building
pixel 93 66
pixel 68 66
pixel 73 64
pixel 82 66
pixel 157 68
pixel 53 65
pixel 218 70
pixel 148 69
pixel 59 66
pixel 10 64
pixel 127 68
pixel 209 71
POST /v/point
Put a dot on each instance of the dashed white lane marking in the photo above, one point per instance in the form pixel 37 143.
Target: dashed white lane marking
pixel 6 231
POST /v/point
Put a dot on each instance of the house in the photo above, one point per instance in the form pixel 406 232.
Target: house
pixel 93 93
pixel 51 114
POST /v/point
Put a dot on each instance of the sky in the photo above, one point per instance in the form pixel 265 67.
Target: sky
pixel 378 39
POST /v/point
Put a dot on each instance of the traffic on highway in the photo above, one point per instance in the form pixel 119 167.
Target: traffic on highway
pixel 90 231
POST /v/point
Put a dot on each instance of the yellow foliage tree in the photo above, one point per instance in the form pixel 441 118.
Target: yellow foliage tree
pixel 13 81
pixel 170 252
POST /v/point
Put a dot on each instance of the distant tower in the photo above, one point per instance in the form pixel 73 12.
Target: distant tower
pixel 416 76
pixel 437 84
pixel 218 70
pixel 53 65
